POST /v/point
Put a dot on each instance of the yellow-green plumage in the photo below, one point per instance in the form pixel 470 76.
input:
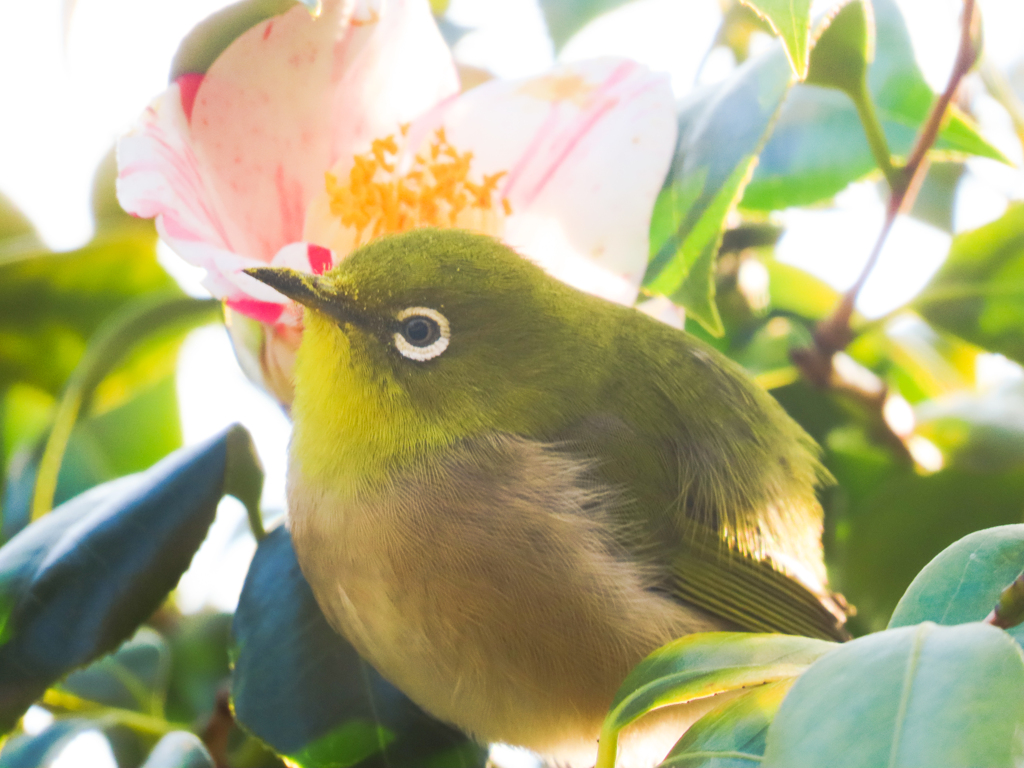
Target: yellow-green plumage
pixel 505 529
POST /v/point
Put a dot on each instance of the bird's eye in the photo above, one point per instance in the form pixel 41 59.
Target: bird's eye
pixel 422 333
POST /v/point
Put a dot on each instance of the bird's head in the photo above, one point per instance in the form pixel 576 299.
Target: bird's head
pixel 421 339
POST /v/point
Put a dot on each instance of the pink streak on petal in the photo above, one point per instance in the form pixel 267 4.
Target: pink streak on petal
pixel 264 311
pixel 189 86
pixel 320 259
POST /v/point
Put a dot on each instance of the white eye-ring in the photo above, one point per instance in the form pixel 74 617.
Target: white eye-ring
pixel 422 334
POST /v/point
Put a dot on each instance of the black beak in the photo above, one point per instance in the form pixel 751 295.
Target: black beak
pixel 308 290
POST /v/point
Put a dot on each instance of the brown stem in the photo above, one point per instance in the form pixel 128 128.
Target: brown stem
pixel 834 333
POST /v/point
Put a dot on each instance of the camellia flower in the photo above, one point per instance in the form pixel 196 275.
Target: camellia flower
pixel 307 137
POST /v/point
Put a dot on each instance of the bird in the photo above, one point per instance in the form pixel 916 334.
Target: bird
pixel 505 492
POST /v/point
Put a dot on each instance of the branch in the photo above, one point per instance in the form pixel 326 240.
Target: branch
pixel 1009 611
pixel 834 333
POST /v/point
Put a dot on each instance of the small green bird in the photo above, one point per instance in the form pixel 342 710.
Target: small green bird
pixel 505 492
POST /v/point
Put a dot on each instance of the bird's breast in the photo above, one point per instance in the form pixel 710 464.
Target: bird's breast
pixel 487 584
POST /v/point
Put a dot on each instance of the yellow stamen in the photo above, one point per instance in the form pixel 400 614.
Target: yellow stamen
pixel 437 191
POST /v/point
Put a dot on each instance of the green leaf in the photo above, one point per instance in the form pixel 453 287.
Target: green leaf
pixel 567 17
pixel 304 691
pixel 843 49
pixel 818 144
pixel 916 696
pixel 791 20
pixel 179 749
pixel 978 293
pixel 889 521
pixel 120 335
pixel 978 431
pixel 721 130
pixel 52 303
pixel 76 584
pixel 17 235
pixel 702 665
pixel 964 581
pixel 210 37
pixel 731 735
pixel 199 665
pixel 133 678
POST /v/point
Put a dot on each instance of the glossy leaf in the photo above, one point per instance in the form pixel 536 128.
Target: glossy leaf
pixel 179 749
pixel 791 20
pixel 702 665
pixel 736 728
pixel 304 691
pixel 721 130
pixel 923 696
pixel 76 584
pixel 964 581
pixel 567 17
pixel 818 145
pixel 978 293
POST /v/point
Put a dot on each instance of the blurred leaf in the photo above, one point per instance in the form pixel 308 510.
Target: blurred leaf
pixel 964 581
pixel 567 17
pixel 199 665
pixel 179 749
pixel 794 291
pixel 52 303
pixel 766 355
pixel 123 333
pixel 893 521
pixel 702 665
pixel 936 199
pixel 983 431
pixel 790 20
pixel 135 677
pixel 915 696
pixel 41 750
pixel 77 583
pixel 739 24
pixel 721 130
pixel 302 689
pixel 843 48
pixel 978 293
pixel 210 37
pixel 818 145
pixel 17 235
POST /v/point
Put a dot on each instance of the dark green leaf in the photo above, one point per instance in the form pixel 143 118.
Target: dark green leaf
pixel 41 750
pixel 735 728
pixel 791 20
pixel 702 665
pixel 921 696
pixel 77 583
pixel 567 17
pixel 818 145
pixel 133 678
pixel 179 749
pixel 964 581
pixel 721 130
pixel 303 690
pixel 978 293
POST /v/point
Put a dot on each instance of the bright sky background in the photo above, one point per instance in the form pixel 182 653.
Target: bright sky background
pixel 65 105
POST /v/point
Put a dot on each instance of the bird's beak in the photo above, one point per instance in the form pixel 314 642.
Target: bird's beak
pixel 309 290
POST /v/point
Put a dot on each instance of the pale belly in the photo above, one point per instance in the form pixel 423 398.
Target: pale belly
pixel 505 611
